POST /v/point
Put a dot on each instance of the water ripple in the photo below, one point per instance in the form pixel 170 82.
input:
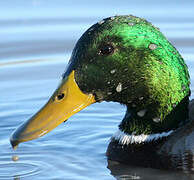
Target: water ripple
pixel 15 170
pixel 9 170
pixel 28 165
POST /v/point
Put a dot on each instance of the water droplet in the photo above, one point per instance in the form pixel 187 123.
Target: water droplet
pixel 119 87
pixel 14 146
pixel 113 71
pixel 109 93
pixel 101 22
pixel 15 158
pixel 156 119
pixel 183 87
pixel 152 46
pixel 91 29
pixel 141 113
pixel 141 98
pixel 133 133
pixel 131 24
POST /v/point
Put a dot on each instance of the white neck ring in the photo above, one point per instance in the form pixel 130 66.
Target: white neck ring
pixel 126 139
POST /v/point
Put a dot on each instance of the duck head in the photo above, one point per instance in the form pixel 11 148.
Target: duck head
pixel 123 59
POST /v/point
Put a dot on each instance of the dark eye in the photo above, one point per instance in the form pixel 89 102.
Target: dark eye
pixel 106 49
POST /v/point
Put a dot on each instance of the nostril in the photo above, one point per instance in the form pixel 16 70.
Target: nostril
pixel 60 96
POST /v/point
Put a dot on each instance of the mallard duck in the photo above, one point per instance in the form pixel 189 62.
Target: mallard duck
pixel 126 59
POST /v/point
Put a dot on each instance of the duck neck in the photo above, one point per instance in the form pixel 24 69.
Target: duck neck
pixel 143 122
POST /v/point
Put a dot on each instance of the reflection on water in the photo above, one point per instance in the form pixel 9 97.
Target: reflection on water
pixel 36 39
pixel 123 172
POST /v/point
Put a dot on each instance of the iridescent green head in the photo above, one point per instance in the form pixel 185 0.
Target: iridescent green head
pixel 123 59
pixel 127 60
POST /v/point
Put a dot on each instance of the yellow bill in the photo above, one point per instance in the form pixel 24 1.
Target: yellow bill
pixel 67 100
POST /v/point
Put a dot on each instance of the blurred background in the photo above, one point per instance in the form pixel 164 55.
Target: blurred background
pixel 36 41
pixel 46 28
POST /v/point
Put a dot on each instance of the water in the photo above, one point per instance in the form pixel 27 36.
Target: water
pixel 36 39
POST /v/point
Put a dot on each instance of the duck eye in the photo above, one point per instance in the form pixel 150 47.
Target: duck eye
pixel 60 96
pixel 106 50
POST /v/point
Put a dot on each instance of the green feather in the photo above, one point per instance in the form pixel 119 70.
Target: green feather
pixel 144 71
